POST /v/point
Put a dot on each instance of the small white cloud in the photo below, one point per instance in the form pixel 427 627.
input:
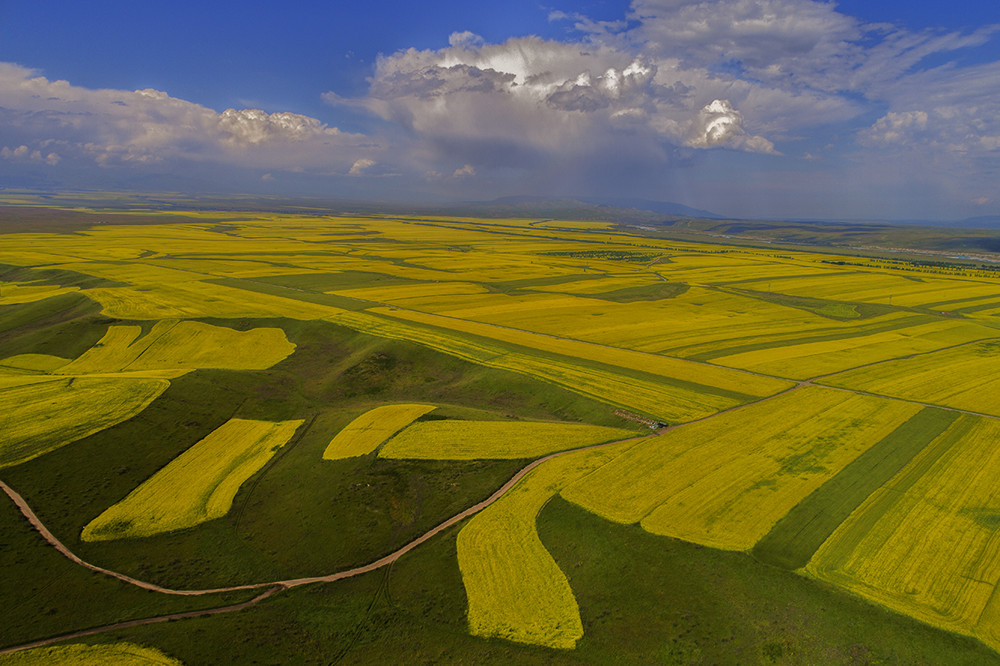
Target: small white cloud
pixel 25 154
pixel 17 153
pixel 266 177
pixel 465 40
pixel 466 171
pixel 719 124
pixel 982 201
pixel 895 128
pixel 360 166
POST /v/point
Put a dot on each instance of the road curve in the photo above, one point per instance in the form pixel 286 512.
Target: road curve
pixel 273 587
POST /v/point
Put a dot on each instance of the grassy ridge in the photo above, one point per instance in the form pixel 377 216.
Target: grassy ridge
pixel 792 541
pixel 65 325
pixel 196 486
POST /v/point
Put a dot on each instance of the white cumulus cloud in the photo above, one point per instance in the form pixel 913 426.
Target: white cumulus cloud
pixel 719 124
pixel 119 127
pixel 360 166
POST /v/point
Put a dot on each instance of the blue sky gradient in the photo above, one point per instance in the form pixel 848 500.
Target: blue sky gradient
pixel 751 108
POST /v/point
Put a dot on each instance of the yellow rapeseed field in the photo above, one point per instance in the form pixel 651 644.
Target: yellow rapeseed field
pixel 726 481
pixel 367 432
pixel 811 359
pixel 515 589
pixel 472 440
pixel 78 654
pixel 34 362
pixel 657 364
pixel 925 544
pixel 200 299
pixel 13 293
pixel 663 400
pixel 966 377
pixel 50 412
pixel 184 345
pixel 197 486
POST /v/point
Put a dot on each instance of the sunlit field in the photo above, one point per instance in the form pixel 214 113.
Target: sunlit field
pixel 253 402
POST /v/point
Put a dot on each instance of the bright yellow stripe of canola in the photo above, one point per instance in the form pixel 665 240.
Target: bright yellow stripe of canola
pixel 196 486
pixel 515 589
pixel 967 377
pixel 812 359
pixel 926 544
pixel 188 300
pixel 14 294
pixel 365 433
pixel 733 505
pixel 185 345
pixel 665 366
pixel 119 654
pixel 661 400
pixel 44 415
pixel 474 440
pixel 725 481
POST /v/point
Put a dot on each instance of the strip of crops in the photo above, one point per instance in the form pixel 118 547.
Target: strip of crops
pixel 925 544
pixel 367 432
pixel 792 542
pixel 725 481
pixel 196 486
pixel 50 412
pixel 78 654
pixel 967 377
pixel 473 440
pixel 515 589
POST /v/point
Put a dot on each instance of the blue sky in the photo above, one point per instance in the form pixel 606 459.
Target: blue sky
pixel 751 108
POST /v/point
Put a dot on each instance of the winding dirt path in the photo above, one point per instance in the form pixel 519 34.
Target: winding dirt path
pixel 273 586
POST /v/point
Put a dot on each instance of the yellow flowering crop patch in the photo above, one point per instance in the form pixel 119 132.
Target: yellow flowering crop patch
pixel 966 377
pixel 185 345
pixel 812 359
pixel 472 440
pixel 200 299
pixel 674 403
pixel 666 366
pixel 726 481
pixel 13 294
pixel 197 486
pixel 119 654
pixel 515 589
pixel 925 544
pixel 34 362
pixel 367 432
pixel 50 412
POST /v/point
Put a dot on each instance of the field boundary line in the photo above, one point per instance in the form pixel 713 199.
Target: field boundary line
pixel 905 357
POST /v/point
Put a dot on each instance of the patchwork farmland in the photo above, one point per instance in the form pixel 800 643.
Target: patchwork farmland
pixel 399 438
